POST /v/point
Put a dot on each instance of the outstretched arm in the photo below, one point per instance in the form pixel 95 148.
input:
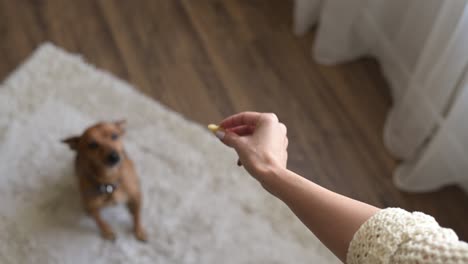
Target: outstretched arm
pixel 260 141
pixel 332 217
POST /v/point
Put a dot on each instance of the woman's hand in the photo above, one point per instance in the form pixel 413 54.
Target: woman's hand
pixel 259 139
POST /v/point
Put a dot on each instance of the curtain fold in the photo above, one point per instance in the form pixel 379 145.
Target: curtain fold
pixel 422 47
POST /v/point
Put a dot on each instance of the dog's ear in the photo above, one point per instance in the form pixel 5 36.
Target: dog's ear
pixel 121 125
pixel 72 142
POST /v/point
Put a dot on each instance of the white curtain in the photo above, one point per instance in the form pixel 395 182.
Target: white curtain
pixel 422 47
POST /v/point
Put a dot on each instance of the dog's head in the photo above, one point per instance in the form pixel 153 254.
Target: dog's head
pixel 101 143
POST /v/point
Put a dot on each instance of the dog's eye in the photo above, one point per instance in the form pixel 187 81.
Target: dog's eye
pixel 114 136
pixel 93 145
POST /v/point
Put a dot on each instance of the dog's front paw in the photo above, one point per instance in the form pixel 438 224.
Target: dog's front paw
pixel 108 235
pixel 140 234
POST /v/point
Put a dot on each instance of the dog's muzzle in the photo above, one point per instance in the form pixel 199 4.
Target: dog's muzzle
pixel 113 158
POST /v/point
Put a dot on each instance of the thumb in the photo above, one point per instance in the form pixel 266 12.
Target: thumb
pixel 230 139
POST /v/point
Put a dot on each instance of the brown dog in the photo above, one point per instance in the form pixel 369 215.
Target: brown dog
pixel 106 174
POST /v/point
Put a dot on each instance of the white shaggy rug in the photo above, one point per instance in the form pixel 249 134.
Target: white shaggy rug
pixel 199 207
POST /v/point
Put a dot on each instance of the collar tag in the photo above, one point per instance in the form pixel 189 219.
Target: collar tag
pixel 106 188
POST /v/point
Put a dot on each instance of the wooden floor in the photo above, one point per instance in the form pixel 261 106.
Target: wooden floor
pixel 210 58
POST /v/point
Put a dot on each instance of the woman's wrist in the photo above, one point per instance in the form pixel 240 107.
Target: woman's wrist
pixel 273 178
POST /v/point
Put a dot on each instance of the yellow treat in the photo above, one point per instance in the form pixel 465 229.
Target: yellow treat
pixel 213 128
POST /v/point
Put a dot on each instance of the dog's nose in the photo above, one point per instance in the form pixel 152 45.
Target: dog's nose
pixel 113 158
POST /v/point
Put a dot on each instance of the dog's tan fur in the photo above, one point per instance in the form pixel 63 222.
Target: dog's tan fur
pixel 93 148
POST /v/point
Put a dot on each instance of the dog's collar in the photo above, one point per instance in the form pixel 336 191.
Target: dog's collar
pixel 107 188
pixel 103 188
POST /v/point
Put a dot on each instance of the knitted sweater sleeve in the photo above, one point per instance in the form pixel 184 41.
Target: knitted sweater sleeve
pixel 394 235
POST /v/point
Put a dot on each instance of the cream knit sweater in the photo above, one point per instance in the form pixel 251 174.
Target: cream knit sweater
pixel 396 236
